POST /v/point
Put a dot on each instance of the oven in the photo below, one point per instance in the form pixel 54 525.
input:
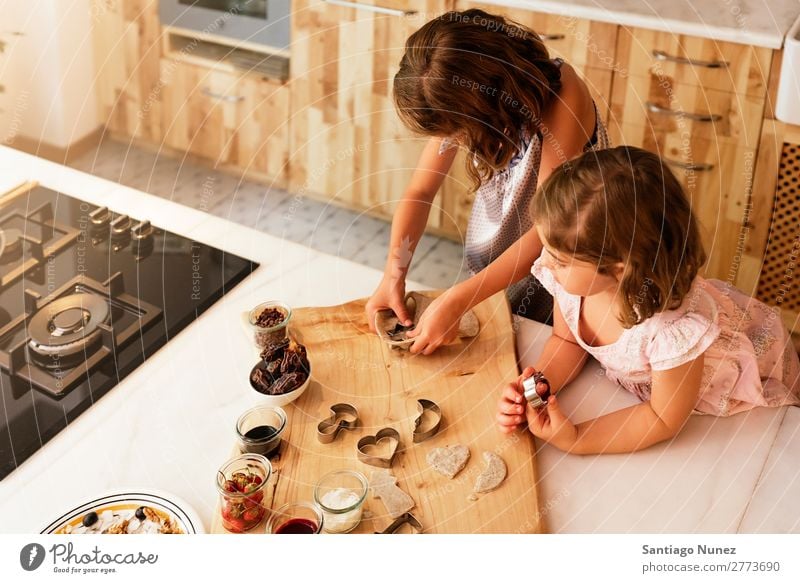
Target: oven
pixel 262 22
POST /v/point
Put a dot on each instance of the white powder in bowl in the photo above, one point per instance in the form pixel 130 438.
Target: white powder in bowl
pixel 339 499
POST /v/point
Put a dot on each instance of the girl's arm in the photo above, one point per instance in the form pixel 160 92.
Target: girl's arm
pixel 568 127
pixel 408 224
pixel 673 398
pixel 561 360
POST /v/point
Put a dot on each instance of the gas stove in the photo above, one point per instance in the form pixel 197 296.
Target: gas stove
pixel 86 296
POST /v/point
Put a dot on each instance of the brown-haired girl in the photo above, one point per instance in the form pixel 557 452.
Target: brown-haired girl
pixel 621 257
pixel 488 85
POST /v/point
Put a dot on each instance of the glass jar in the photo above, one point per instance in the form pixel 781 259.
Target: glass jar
pixel 264 336
pixel 259 430
pixel 296 518
pixel 340 495
pixel 242 483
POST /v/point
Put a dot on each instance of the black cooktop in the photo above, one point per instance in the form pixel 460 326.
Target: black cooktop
pixel 86 296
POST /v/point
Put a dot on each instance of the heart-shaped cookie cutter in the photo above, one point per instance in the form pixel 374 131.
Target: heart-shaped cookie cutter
pixel 405 518
pixel 426 405
pixel 374 460
pixel 328 429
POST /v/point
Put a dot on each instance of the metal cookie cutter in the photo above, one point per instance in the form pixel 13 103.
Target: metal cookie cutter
pixel 405 518
pixel 426 405
pixel 375 460
pixel 529 385
pixel 343 416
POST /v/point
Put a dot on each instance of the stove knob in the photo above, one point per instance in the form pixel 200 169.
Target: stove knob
pixel 142 231
pixel 100 217
pixel 120 226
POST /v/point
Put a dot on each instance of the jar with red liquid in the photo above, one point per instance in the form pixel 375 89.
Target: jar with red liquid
pixel 242 483
pixel 296 518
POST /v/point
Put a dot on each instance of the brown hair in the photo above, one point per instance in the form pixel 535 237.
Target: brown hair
pixel 480 78
pixel 624 205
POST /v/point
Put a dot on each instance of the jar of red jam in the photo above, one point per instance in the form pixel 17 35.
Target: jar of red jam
pixel 241 483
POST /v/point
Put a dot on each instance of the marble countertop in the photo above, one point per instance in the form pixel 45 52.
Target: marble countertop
pixel 169 424
pixel 761 23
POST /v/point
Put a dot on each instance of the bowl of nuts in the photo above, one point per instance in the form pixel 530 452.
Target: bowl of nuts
pixel 282 374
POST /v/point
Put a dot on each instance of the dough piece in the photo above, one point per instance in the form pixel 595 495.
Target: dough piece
pixel 417 303
pixel 492 475
pixel 384 486
pixel 449 460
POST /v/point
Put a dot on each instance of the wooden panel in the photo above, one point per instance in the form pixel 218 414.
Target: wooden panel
pixel 347 142
pixel 350 364
pixel 719 193
pixel 650 101
pixel 582 43
pixel 772 247
pixel 126 38
pixel 746 68
pixel 231 119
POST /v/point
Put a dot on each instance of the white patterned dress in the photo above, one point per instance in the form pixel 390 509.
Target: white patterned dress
pixel 749 359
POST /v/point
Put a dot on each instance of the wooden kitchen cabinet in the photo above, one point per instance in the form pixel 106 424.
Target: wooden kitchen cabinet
pixel 770 248
pixel 126 36
pixel 233 119
pixel 347 143
pixel 699 104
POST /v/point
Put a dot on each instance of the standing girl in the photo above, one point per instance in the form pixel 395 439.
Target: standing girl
pixel 621 257
pixel 486 84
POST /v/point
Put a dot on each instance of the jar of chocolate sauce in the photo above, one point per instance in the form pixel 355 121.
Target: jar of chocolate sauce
pixel 259 430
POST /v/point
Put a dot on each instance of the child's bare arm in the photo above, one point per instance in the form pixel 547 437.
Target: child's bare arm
pixel 561 360
pixel 674 395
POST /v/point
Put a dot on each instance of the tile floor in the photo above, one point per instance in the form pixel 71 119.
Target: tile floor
pixel 438 262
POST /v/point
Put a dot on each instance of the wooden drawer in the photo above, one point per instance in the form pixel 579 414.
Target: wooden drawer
pixel 582 43
pixel 689 110
pixel 232 119
pixel 688 60
pixel 717 177
pixel 347 141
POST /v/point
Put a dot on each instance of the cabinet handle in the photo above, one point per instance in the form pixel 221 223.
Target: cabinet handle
pixel 656 108
pixel 662 56
pixel 371 8
pixel 702 167
pixel 229 98
pixel 545 37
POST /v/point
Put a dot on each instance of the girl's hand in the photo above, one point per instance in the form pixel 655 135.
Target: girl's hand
pixel 511 406
pixel 438 324
pixel 550 424
pixel 391 294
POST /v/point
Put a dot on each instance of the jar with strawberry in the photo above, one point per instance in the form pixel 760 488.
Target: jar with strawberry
pixel 241 483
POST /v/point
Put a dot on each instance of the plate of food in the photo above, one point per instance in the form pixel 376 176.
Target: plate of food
pixel 129 512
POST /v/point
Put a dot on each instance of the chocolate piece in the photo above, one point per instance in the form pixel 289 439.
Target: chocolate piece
pixel 270 317
pixel 275 350
pixel 288 382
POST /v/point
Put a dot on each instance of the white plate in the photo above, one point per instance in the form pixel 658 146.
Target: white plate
pixel 180 512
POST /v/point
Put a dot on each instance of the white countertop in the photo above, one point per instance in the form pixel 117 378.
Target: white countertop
pixel 169 424
pixel 761 23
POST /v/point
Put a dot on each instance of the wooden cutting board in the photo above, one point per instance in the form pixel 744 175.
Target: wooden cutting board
pixel 351 364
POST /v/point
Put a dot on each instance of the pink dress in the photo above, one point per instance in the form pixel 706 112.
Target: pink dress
pixel 749 357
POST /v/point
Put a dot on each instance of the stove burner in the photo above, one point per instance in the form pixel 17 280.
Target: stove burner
pixel 10 244
pixel 67 326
